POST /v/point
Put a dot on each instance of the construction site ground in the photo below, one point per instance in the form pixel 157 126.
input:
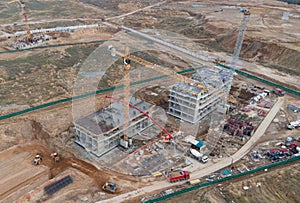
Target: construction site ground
pixel 279 185
pixel 20 174
pixel 52 128
pixel 33 77
pixel 17 172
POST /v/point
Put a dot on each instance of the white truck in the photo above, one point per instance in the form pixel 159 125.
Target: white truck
pixel 199 156
pixel 294 124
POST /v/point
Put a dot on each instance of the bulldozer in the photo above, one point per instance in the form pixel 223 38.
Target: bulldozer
pixel 54 156
pixel 111 187
pixel 37 159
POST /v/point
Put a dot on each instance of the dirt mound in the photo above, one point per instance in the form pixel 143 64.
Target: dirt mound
pixel 267 42
pixel 268 53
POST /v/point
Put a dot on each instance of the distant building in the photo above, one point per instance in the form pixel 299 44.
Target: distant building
pixel 100 132
pixel 295 106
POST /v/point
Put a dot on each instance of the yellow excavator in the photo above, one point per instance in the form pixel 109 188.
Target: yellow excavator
pixel 37 159
pixel 111 187
pixel 55 157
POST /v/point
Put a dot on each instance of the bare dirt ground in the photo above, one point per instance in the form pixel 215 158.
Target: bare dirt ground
pixel 17 171
pixel 269 40
pixel 97 177
pixel 203 23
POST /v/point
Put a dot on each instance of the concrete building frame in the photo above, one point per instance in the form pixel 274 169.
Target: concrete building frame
pixel 100 132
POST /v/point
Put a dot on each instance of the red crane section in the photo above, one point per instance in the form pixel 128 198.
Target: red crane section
pixel 168 137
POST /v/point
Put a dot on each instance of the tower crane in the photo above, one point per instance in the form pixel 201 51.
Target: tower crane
pixel 29 35
pixel 127 91
pixel 180 78
pixel 127 58
pixel 239 42
pixel 213 139
pixel 127 66
pixel 160 69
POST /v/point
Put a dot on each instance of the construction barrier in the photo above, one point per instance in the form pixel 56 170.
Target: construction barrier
pixel 2 117
pixel 248 75
pixel 223 179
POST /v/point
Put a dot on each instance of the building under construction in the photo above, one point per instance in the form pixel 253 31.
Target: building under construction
pixel 190 102
pixel 101 131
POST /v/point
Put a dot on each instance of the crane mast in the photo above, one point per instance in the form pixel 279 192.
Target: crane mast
pixel 126 92
pixel 180 78
pixel 29 35
pixel 26 20
pixel 239 42
pixel 214 138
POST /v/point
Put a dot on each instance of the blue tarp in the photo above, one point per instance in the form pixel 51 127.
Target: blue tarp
pixel 200 143
pixel 226 172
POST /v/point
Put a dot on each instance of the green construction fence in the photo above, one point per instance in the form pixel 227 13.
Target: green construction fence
pixel 2 117
pixel 261 80
pixel 224 179
pixel 17 113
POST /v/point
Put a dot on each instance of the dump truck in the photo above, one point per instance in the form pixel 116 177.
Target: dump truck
pixel 278 92
pixel 111 187
pixel 194 182
pixel 37 159
pixel 199 156
pixel 175 176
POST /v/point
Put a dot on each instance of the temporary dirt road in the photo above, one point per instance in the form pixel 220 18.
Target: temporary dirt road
pixel 210 167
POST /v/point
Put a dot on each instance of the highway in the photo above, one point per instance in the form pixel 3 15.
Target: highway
pixel 203 170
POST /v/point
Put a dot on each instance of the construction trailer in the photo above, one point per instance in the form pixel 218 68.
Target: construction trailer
pixel 294 124
pixel 102 131
pixel 237 127
pixel 226 172
pixel 191 103
pixel 295 106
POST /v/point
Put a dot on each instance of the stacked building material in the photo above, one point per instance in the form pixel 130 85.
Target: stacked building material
pixel 237 127
pixel 265 104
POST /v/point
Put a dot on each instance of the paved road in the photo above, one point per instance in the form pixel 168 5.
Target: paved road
pixel 73 27
pixel 208 168
pixel 246 148
pixel 50 21
pixel 138 10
